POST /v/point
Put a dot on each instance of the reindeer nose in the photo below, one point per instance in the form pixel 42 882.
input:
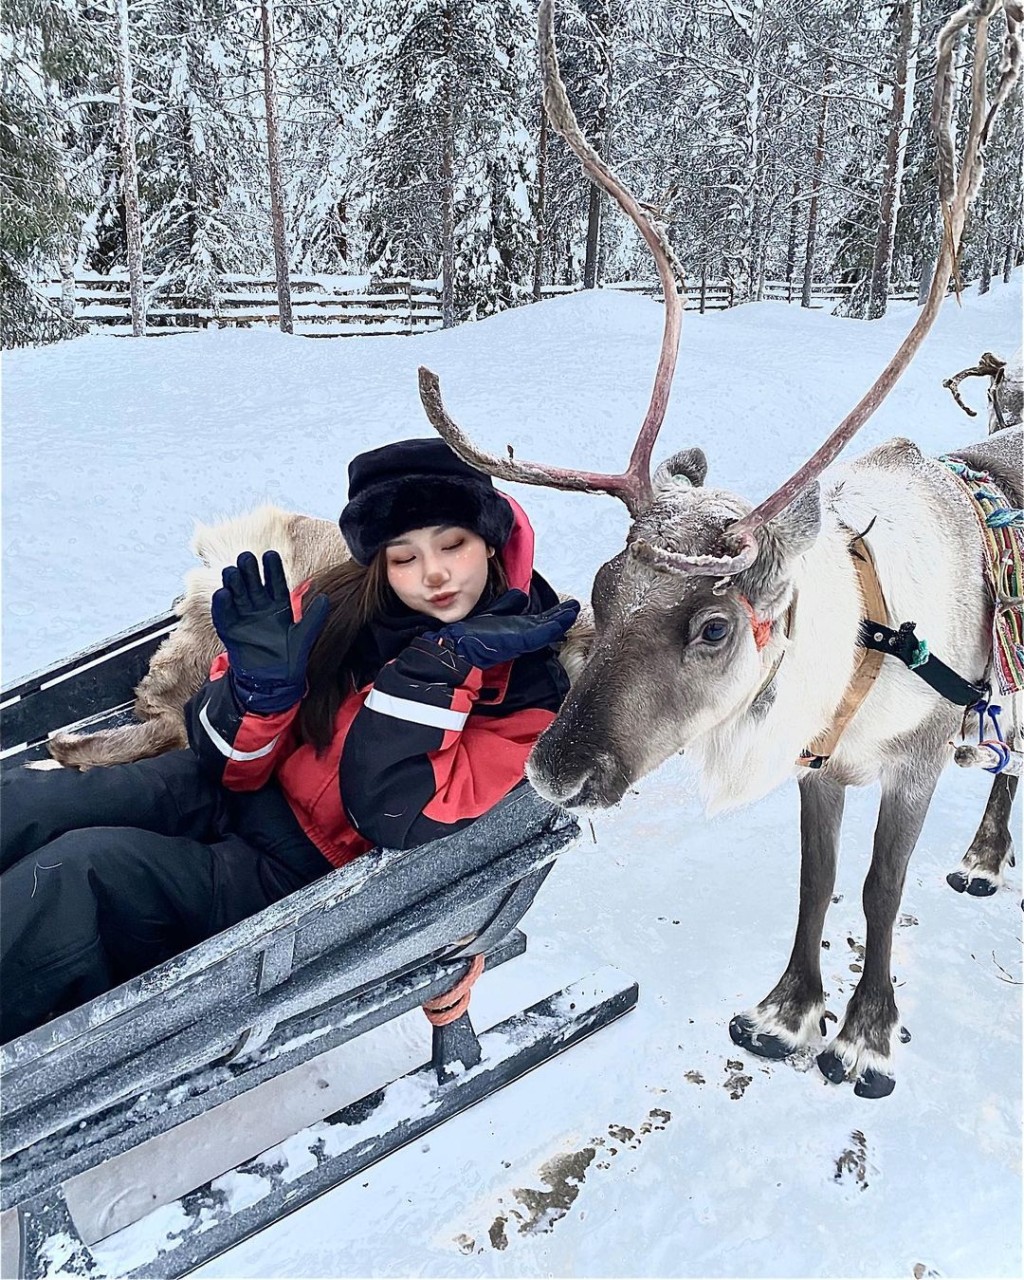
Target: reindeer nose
pixel 599 784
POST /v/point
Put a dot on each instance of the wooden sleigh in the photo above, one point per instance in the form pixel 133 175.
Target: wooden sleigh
pixel 357 948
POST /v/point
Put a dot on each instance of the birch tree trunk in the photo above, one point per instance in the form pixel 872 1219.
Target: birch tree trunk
pixel 928 266
pixel 752 145
pixel 130 173
pixel 895 156
pixel 277 212
pixel 812 206
pixel 448 187
pixel 67 282
pixel 1010 255
pixel 601 126
pixel 794 208
pixel 984 235
pixel 448 226
pixel 542 171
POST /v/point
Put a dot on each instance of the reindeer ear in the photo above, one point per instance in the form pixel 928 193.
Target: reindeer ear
pixel 790 534
pixel 797 527
pixel 691 465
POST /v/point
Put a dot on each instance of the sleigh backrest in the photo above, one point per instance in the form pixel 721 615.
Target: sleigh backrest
pixel 93 689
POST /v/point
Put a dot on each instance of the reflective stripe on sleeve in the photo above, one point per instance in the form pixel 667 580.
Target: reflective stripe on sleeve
pixel 225 747
pixel 416 712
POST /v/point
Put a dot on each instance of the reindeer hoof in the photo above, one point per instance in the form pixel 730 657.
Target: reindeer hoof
pixel 872 1084
pixel 957 880
pixel 761 1043
pixel 981 888
pixel 831 1066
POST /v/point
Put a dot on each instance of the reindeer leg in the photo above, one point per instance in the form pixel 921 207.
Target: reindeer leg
pixel 981 868
pixel 863 1048
pixel 792 1013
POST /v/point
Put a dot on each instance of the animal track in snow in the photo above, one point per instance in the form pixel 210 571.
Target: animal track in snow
pixel 536 1209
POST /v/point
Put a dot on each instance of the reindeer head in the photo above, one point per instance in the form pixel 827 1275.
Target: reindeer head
pixel 675 653
pixel 684 613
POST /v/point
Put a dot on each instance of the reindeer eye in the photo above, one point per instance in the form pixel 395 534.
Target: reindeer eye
pixel 715 631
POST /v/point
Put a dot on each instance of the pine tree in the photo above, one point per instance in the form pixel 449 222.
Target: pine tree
pixel 450 158
pixel 44 49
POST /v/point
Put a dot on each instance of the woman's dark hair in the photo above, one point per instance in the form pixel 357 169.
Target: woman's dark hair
pixel 356 595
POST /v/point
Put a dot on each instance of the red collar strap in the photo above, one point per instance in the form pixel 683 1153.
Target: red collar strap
pixel 761 627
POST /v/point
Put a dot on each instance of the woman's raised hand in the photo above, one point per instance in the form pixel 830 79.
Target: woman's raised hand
pixel 268 650
pixel 504 632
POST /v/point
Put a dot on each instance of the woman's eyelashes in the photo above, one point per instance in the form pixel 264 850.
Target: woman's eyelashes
pixel 398 563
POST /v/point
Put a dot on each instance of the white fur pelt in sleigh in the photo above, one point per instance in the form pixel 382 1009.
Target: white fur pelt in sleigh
pixel 181 665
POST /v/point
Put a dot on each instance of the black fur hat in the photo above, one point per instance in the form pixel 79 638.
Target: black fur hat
pixel 415 484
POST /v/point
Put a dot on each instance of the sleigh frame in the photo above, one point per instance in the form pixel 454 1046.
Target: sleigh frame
pixel 341 956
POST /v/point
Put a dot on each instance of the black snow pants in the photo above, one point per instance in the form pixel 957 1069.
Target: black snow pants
pixel 106 873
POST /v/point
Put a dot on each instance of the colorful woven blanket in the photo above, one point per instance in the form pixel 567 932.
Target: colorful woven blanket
pixel 1002 527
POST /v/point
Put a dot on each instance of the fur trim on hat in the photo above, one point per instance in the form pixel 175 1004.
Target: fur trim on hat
pixel 392 506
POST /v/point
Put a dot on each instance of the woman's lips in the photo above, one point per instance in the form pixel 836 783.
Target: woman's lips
pixel 439 602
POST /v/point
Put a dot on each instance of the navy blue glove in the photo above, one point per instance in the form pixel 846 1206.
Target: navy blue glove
pixel 504 632
pixel 267 648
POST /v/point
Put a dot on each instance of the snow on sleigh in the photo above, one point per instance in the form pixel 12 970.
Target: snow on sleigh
pixel 391 931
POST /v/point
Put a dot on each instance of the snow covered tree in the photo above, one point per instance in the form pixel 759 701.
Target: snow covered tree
pixel 322 108
pixel 201 150
pixel 450 156
pixel 777 140
pixel 130 169
pixel 900 115
pixel 45 52
pixel 277 208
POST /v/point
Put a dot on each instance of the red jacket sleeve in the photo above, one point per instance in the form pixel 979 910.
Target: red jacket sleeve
pixel 238 748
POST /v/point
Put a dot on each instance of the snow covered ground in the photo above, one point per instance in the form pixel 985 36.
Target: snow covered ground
pixel 656 1148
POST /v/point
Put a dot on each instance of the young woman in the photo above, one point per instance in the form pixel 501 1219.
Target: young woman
pixel 389 702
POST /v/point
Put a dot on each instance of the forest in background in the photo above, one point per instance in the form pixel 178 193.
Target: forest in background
pixel 776 139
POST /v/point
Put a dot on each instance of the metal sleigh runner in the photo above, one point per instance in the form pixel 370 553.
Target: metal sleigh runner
pixel 393 930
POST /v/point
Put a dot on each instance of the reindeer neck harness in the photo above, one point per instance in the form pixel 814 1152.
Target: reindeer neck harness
pixel 876 641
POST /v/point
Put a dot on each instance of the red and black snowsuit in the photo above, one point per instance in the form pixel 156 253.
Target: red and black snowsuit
pixel 425 744
pixel 109 872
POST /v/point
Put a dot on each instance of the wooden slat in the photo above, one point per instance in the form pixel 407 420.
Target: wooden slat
pixel 110 682
pixel 81 686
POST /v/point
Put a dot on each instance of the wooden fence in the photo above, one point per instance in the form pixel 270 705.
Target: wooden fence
pixel 718 295
pixel 340 306
pixel 322 306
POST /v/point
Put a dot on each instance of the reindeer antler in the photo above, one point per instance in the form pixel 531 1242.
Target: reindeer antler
pixel 956 194
pixel 633 485
pixel 989 366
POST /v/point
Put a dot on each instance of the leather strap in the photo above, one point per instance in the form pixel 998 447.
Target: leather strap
pixel 817 752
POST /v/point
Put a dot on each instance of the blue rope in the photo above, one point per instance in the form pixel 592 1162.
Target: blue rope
pixel 996 743
pixel 1004 517
pixel 1002 751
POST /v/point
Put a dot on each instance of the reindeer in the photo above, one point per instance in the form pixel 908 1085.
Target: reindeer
pixel 980 869
pixel 1005 392
pixel 754 638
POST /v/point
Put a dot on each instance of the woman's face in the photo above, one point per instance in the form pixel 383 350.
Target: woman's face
pixel 441 571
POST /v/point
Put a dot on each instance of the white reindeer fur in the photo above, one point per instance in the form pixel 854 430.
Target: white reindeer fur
pixel 926 545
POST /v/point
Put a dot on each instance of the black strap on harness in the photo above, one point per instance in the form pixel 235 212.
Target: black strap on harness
pixel 913 653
